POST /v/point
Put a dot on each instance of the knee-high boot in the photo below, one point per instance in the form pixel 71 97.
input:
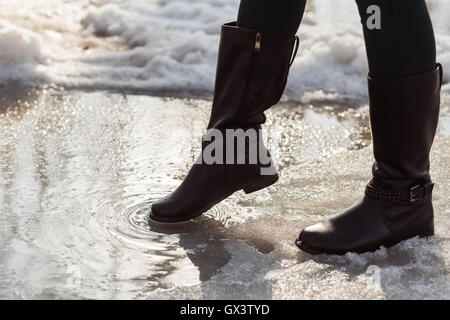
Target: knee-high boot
pixel 251 75
pixel 397 203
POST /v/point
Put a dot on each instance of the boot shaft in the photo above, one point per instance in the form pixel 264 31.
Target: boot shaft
pixel 404 115
pixel 251 75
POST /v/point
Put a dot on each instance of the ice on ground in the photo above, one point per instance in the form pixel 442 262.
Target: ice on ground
pixel 172 44
pixel 79 171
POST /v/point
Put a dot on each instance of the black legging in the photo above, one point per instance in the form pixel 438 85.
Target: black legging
pixel 402 45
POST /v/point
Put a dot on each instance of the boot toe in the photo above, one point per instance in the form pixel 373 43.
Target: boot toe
pixel 310 238
pixel 159 210
pixel 170 210
pixel 317 239
pixel 163 210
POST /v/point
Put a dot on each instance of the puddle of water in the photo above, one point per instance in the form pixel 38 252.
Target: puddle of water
pixel 79 171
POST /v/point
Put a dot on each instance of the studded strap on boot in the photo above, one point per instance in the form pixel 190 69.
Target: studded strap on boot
pixel 252 71
pixel 397 204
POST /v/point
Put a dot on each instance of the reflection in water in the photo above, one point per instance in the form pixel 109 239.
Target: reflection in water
pixel 203 242
pixel 16 100
pixel 78 173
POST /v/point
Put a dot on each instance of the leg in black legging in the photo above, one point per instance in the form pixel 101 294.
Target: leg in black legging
pixel 272 16
pixel 403 43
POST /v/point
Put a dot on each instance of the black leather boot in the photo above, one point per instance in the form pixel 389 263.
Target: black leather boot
pixel 397 203
pixel 252 71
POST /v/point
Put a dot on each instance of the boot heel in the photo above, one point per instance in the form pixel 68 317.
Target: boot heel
pixel 260 184
pixel 426 234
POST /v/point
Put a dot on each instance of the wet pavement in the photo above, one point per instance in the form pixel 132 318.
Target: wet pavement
pixel 79 170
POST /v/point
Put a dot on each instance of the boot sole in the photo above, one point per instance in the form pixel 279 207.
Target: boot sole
pixel 315 251
pixel 258 185
pixel 248 188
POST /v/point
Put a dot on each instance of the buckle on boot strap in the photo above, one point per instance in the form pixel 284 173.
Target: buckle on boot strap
pixel 421 193
pixel 414 196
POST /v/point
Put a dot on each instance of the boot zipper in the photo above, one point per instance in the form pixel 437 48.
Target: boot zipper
pixel 256 50
pixel 258 42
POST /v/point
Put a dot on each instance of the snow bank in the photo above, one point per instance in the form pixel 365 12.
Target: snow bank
pixel 173 44
pixel 20 54
pixel 157 45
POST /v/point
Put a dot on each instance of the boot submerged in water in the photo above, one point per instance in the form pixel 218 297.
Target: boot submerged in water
pixel 252 71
